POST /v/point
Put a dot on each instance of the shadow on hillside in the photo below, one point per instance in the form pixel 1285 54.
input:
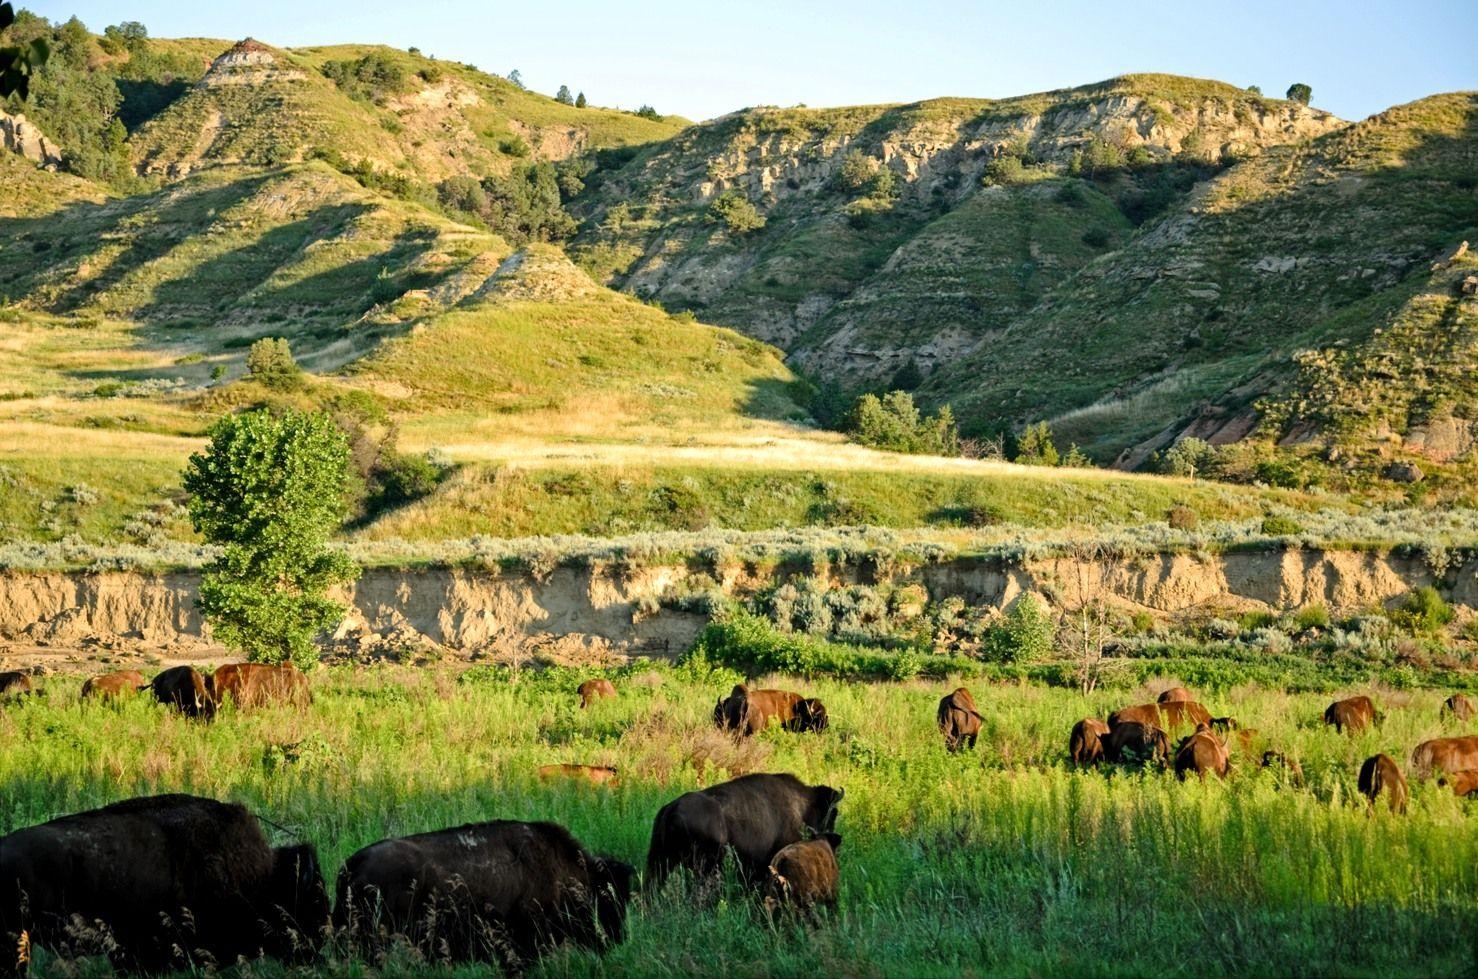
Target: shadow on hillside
pixel 775 400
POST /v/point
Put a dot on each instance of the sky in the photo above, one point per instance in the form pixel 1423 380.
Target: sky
pixel 702 60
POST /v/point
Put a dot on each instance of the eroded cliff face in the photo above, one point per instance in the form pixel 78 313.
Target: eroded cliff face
pixel 585 614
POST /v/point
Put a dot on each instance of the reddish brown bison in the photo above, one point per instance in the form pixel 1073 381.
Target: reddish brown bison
pixel 1085 744
pixel 1167 716
pixel 1134 743
pixel 1381 775
pixel 1448 755
pixel 158 875
pixel 1175 694
pixel 1202 753
pixel 249 685
pixel 1460 707
pixel 1351 715
pixel 958 719
pixel 110 686
pixel 499 891
pixel 1462 783
pixel 804 875
pixel 748 712
pixel 753 817
pixel 594 774
pixel 14 683
pixel 184 689
pixel 592 690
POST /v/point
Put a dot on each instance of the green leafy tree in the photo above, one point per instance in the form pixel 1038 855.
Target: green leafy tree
pixel 580 102
pixel 270 363
pixel 516 77
pixel 1034 446
pixel 894 422
pixel 1299 92
pixel 270 490
pixel 1026 635
pixel 563 96
pixel 647 112
pixel 736 213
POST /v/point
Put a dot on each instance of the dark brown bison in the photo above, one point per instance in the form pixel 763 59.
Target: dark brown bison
pixel 109 686
pixel 1167 716
pixel 1351 715
pixel 753 817
pixel 1135 743
pixel 501 891
pixel 1462 783
pixel 1292 770
pixel 592 690
pixel 1175 694
pixel 810 716
pixel 184 689
pixel 1224 725
pixel 151 877
pixel 1085 744
pixel 804 875
pixel 14 683
pixel 594 774
pixel 748 712
pixel 1202 753
pixel 1445 755
pixel 1460 707
pixel 1381 774
pixel 250 685
pixel 958 719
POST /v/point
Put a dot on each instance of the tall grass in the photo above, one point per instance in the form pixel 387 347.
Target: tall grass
pixel 998 861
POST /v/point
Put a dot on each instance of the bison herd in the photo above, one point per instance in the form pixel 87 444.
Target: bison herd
pixel 189 691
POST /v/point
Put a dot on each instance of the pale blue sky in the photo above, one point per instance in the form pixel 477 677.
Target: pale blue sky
pixel 704 59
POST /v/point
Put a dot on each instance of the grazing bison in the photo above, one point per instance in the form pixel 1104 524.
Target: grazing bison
pixel 156 879
pixel 1133 742
pixel 14 683
pixel 1462 783
pixel 594 774
pixel 110 686
pixel 805 874
pixel 810 716
pixel 958 719
pixel 592 690
pixel 753 816
pixel 184 689
pixel 1223 725
pixel 1167 716
pixel 1085 744
pixel 1381 774
pixel 1292 770
pixel 258 685
pixel 1448 755
pixel 1175 694
pixel 1351 715
pixel 1202 753
pixel 500 891
pixel 749 711
pixel 1460 707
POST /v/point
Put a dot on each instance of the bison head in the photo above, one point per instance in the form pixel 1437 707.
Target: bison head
pixel 612 879
pixel 811 715
pixel 821 812
pixel 298 901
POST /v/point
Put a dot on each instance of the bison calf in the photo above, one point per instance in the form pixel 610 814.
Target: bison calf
pixel 184 689
pixel 1380 774
pixel 594 774
pixel 501 891
pixel 592 690
pixel 804 875
pixel 1202 753
pixel 159 875
pixel 1351 715
pixel 958 720
pixel 1085 743
pixel 112 685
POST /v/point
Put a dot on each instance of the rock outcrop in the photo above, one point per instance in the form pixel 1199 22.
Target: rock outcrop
pixel 22 136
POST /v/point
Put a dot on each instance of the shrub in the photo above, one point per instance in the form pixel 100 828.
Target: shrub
pixel 270 363
pixel 1189 457
pixel 1024 636
pixel 1096 238
pixel 1281 526
pixel 1182 517
pixel 736 213
pixel 1312 617
pixel 1299 92
pixel 893 422
pixel 1034 446
pixel 1424 611
pixel 1005 171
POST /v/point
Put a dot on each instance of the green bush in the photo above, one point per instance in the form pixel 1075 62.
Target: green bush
pixel 1025 636
pixel 1424 611
pixel 1280 526
pixel 1034 446
pixel 270 362
pixel 893 422
pixel 736 213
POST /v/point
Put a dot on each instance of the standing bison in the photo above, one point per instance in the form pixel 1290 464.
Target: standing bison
pixel 958 719
pixel 753 816
pixel 1085 743
pixel 1459 707
pixel 1203 753
pixel 748 712
pixel 1175 695
pixel 184 689
pixel 258 685
pixel 592 690
pixel 161 882
pixel 1167 716
pixel 804 875
pixel 1351 715
pixel 1381 775
pixel 14 683
pixel 1448 755
pixel 1134 743
pixel 111 686
pixel 1463 783
pixel 499 891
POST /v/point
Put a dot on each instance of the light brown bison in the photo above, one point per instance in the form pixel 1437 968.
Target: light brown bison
pixel 1085 744
pixel 748 712
pixel 594 774
pixel 1445 755
pixel 500 891
pixel 109 686
pixel 1175 694
pixel 154 876
pixel 1202 753
pixel 1292 770
pixel 1167 716
pixel 1460 707
pixel 804 875
pixel 1131 742
pixel 14 683
pixel 1380 774
pixel 958 719
pixel 251 685
pixel 184 689
pixel 1462 783
pixel 592 690
pixel 1351 715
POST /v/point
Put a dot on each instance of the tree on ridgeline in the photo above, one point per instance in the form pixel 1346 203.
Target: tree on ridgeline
pixel 1299 92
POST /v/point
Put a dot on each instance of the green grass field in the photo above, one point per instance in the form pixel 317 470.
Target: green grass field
pixel 998 862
